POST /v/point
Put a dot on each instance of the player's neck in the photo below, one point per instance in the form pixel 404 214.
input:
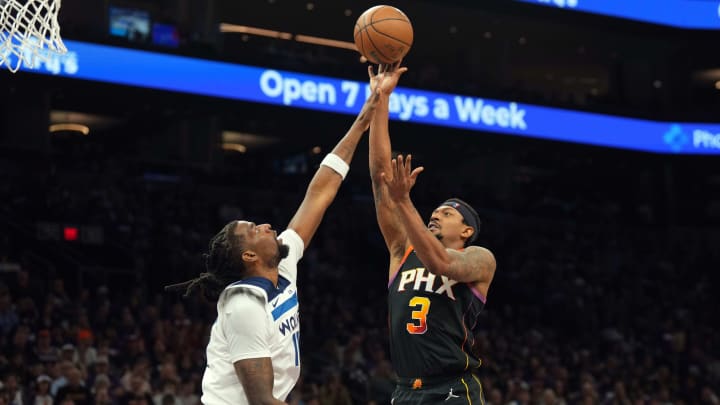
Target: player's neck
pixel 270 273
pixel 458 245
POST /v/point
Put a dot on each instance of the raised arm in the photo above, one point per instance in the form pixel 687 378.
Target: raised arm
pixel 256 376
pixel 380 155
pixel 474 264
pixel 327 179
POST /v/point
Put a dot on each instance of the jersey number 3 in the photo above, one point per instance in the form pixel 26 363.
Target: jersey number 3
pixel 418 327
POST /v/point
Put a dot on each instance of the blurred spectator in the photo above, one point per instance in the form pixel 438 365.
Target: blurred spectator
pixel 58 296
pixel 25 287
pixel 168 392
pixel 138 374
pixel 382 383
pixel 102 397
pixel 188 395
pixel 20 344
pixel 334 392
pixel 13 389
pixel 101 367
pixel 137 394
pixel 85 354
pixel 100 383
pixel 4 397
pixel 8 316
pixel 64 368
pixel 69 354
pixel 74 390
pixel 42 396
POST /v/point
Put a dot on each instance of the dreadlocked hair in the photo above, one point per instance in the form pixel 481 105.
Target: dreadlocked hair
pixel 223 265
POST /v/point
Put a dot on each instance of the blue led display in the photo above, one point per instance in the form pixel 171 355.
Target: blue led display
pixel 691 14
pixel 294 90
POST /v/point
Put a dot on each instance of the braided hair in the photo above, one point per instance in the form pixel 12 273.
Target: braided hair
pixel 223 265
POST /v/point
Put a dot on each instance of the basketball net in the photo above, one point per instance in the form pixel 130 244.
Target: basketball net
pixel 29 32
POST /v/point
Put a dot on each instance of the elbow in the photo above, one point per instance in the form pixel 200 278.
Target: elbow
pixel 375 175
pixel 377 167
pixel 438 271
pixel 439 267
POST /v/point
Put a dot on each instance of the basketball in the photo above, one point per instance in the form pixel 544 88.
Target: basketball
pixel 383 34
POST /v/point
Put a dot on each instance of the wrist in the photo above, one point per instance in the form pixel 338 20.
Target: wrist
pixel 383 101
pixel 404 202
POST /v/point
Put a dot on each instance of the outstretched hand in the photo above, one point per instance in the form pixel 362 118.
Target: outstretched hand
pixel 401 178
pixel 368 111
pixel 381 84
pixel 390 75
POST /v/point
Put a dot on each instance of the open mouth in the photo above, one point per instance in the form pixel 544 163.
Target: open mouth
pixel 432 226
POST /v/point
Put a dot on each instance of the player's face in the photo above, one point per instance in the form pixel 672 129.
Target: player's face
pixel 263 240
pixel 446 223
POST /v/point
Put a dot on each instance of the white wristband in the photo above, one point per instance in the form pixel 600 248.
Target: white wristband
pixel 336 163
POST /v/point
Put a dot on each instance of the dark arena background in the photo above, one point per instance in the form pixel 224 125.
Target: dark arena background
pixel 587 138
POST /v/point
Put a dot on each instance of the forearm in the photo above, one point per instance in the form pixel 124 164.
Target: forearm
pixel 345 149
pixel 256 377
pixel 430 251
pixel 380 146
pixel 327 181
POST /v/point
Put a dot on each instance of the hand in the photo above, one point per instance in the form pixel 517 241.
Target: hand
pixel 368 111
pixel 390 73
pixel 401 178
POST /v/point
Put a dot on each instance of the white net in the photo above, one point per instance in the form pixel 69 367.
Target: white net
pixel 29 32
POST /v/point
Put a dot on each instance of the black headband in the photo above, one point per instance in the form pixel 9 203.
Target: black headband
pixel 467 213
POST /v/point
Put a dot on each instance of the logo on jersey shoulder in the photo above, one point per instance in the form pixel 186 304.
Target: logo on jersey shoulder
pixel 277 299
pixel 416 277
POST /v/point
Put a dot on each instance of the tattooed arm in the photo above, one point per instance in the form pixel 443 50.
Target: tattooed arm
pixel 256 377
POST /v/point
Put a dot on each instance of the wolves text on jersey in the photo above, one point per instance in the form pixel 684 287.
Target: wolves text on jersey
pixel 290 324
pixel 416 277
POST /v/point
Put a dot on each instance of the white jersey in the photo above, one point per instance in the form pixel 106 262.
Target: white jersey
pixel 256 319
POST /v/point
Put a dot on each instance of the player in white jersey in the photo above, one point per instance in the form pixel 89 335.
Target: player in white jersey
pixel 253 355
pixel 257 319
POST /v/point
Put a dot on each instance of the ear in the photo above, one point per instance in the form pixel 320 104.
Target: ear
pixel 467 232
pixel 249 256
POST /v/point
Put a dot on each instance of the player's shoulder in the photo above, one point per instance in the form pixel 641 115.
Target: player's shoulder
pixel 250 290
pixel 481 256
pixel 244 300
pixel 475 249
pixel 290 237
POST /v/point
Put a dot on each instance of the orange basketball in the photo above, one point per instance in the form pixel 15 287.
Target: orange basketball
pixel 383 34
